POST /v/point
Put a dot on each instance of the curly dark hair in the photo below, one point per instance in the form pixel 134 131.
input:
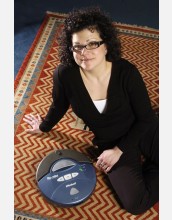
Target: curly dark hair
pixel 91 18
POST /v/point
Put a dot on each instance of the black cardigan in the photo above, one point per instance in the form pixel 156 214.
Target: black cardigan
pixel 128 114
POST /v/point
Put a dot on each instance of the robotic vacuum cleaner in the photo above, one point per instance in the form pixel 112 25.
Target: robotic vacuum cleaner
pixel 66 177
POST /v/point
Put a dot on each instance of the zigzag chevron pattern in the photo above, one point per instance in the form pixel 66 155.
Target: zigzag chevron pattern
pixel 35 97
pixel 144 54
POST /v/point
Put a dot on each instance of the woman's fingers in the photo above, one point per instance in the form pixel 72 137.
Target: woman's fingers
pixel 39 118
pixel 30 119
pixel 107 169
pixel 27 121
pixel 34 122
pixel 103 165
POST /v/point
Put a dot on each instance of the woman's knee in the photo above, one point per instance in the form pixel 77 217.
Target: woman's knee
pixel 133 207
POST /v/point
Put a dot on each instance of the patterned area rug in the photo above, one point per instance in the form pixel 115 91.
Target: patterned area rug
pixel 33 87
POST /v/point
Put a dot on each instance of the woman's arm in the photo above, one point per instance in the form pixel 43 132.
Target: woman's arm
pixel 59 104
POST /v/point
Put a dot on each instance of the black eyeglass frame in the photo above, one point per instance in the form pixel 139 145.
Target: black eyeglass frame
pixel 99 43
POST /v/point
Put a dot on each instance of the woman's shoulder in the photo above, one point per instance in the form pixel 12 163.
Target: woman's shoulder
pixel 123 63
pixel 64 71
pixel 126 70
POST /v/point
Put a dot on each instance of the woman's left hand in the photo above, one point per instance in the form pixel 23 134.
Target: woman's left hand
pixel 108 159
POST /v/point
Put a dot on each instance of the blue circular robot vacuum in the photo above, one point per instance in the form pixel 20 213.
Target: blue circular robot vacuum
pixel 66 177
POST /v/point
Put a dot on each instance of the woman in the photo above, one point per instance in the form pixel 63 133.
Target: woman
pixel 109 94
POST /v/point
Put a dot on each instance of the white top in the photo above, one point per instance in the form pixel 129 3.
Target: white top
pixel 100 104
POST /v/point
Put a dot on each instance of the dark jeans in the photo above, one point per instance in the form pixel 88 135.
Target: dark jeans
pixel 135 183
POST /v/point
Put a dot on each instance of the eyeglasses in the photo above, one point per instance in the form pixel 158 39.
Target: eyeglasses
pixel 90 46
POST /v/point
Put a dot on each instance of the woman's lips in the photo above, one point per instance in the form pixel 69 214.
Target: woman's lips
pixel 85 60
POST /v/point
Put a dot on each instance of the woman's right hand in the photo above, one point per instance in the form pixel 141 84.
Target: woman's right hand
pixel 34 122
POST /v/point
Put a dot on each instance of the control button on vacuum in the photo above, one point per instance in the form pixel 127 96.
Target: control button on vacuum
pixel 74 191
pixel 74 174
pixel 67 176
pixel 60 179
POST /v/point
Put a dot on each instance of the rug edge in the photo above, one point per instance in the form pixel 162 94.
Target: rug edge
pixel 30 216
pixel 47 14
pixel 118 23
pixel 29 53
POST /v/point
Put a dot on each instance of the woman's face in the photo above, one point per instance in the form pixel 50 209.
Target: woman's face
pixel 88 59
